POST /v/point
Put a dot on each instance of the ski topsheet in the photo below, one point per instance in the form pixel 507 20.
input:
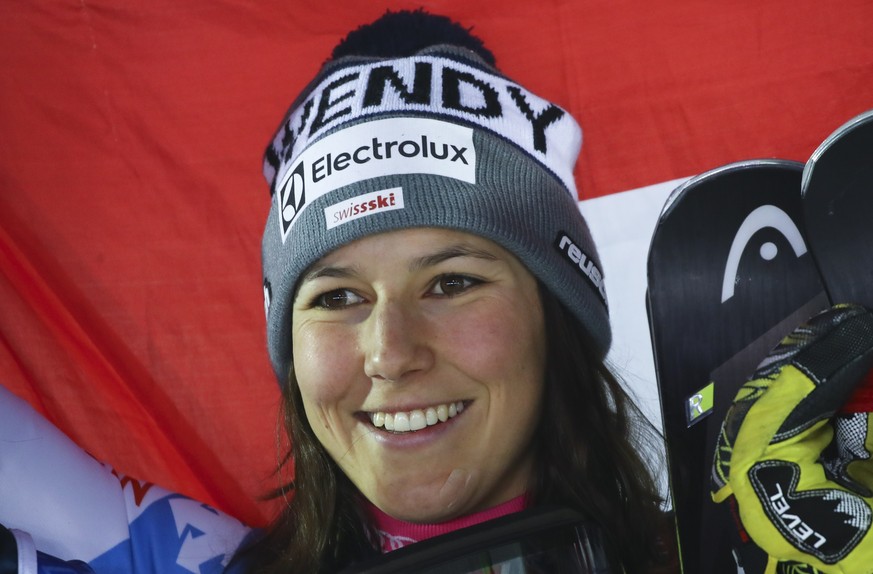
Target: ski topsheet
pixel 838 208
pixel 729 274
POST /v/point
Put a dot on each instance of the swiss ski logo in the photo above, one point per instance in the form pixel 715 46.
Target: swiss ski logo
pixel 362 206
pixel 291 197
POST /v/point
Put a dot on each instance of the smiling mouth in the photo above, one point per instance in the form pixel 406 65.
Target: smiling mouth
pixel 416 420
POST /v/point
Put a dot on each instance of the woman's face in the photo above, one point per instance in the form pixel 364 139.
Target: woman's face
pixel 420 357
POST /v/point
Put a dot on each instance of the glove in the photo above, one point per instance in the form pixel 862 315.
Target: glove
pixel 795 474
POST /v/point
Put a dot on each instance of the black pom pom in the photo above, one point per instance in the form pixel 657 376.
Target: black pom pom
pixel 402 34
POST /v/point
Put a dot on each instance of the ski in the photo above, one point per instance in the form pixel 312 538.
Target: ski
pixel 729 274
pixel 837 191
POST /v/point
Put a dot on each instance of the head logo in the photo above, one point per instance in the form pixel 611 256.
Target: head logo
pixel 291 198
pixel 760 218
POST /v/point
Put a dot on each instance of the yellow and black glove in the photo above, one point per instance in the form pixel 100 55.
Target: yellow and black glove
pixel 796 474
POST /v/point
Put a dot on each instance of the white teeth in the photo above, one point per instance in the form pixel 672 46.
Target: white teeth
pixel 401 422
pixel 417 419
pixel 431 417
pixel 443 413
pixel 379 419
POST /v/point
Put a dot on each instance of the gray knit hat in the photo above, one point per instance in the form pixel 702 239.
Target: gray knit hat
pixel 434 137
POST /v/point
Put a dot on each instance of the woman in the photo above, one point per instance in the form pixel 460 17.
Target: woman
pixel 436 314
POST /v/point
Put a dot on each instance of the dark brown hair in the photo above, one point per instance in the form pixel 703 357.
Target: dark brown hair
pixel 589 459
pixel 590 446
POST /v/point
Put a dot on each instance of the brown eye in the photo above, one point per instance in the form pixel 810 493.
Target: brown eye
pixel 451 285
pixel 337 299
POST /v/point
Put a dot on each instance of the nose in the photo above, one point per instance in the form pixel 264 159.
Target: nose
pixel 394 340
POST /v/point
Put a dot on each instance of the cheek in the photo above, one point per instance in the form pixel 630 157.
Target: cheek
pixel 496 345
pixel 325 366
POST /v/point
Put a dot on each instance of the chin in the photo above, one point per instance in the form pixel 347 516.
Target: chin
pixel 425 512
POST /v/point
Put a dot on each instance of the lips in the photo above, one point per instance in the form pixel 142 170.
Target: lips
pixel 417 419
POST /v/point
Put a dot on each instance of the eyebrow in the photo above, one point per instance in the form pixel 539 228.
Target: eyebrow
pixel 417 264
pixel 450 253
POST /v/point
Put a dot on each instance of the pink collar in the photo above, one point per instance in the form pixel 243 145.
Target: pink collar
pixel 394 533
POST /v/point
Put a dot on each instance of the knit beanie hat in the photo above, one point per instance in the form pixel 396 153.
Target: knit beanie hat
pixel 409 124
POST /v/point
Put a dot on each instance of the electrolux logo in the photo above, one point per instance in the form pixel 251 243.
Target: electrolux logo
pixel 291 197
pixel 391 146
pixel 378 150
